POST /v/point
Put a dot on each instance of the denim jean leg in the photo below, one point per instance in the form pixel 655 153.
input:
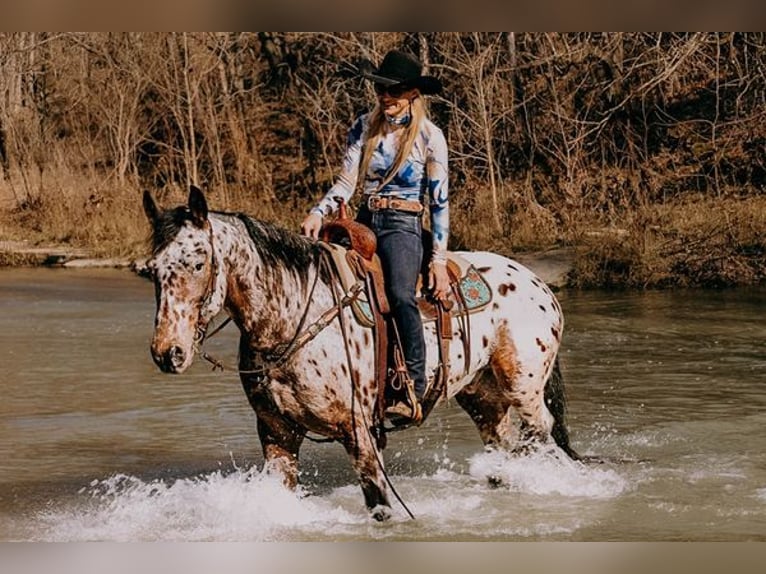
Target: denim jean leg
pixel 401 251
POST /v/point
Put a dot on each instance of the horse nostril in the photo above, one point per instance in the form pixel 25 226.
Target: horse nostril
pixel 175 357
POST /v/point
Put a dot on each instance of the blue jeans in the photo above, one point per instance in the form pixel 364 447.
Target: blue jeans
pixel 400 249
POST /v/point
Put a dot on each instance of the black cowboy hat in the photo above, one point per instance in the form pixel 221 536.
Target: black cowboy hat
pixel 400 68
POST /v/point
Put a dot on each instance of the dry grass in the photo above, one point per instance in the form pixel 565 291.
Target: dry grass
pixel 80 212
pixel 13 259
pixel 700 242
pixel 523 226
pixel 696 242
pixel 606 142
pixel 108 220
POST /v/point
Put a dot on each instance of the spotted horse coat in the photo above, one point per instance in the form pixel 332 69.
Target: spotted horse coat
pixel 270 282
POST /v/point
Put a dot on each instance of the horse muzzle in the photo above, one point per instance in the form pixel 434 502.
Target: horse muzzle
pixel 171 361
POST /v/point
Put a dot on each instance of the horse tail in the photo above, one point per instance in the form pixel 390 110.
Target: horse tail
pixel 556 401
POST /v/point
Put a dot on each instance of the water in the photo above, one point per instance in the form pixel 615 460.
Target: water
pixel 97 444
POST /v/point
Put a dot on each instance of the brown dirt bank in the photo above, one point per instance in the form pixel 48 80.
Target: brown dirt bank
pixel 551 266
pixel 718 242
pixel 699 242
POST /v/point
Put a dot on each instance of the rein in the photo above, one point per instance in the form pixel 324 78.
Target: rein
pixel 354 386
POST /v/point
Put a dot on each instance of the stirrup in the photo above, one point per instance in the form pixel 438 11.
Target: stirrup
pixel 402 413
pixel 409 410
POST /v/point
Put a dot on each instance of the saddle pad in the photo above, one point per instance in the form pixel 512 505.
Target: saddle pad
pixel 348 280
pixel 475 290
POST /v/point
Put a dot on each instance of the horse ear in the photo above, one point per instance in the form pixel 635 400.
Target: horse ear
pixel 150 207
pixel 197 206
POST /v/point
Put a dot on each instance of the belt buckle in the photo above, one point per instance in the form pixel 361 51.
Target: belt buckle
pixel 373 203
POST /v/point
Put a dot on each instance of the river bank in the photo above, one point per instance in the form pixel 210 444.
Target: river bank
pixel 696 242
pixel 22 253
pixel 647 165
pixel 552 266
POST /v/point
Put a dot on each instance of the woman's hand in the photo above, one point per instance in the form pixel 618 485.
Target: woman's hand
pixel 312 225
pixel 438 281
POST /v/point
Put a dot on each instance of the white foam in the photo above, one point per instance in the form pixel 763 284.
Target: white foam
pixel 239 506
pixel 541 500
pixel 548 471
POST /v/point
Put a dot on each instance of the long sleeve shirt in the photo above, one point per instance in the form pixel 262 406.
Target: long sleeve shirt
pixel 423 174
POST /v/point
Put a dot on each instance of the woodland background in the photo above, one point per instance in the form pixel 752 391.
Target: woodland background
pixel 645 153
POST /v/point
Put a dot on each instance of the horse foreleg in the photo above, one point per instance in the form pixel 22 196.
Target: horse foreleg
pixel 367 461
pixel 281 442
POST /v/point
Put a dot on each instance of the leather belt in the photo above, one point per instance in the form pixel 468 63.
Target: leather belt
pixel 378 202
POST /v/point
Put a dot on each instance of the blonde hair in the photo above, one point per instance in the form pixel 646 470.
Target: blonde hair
pixel 376 131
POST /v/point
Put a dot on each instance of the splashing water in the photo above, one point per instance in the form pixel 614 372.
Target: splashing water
pixel 548 471
pixel 244 505
pixel 252 505
pixel 665 384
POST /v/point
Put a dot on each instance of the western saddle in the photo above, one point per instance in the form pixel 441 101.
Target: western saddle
pixel 358 255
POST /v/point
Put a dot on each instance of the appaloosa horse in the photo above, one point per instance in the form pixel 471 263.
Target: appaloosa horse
pixel 305 370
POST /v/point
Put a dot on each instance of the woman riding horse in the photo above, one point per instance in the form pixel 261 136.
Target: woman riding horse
pixel 307 365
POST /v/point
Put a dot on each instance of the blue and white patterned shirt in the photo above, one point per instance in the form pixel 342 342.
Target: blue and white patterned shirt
pixel 424 172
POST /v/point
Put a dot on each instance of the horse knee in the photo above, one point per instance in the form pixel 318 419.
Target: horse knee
pixel 538 425
pixel 531 436
pixel 281 462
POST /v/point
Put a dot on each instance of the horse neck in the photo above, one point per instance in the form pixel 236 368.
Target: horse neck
pixel 266 298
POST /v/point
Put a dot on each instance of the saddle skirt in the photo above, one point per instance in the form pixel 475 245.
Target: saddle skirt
pixel 473 289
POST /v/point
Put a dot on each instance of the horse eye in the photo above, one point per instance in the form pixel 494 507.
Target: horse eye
pixel 199 266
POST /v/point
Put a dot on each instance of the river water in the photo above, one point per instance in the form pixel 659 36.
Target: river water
pixel 97 444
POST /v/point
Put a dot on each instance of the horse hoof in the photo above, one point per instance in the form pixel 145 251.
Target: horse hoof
pixel 381 513
pixel 494 481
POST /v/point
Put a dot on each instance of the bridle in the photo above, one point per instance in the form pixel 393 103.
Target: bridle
pixel 201 327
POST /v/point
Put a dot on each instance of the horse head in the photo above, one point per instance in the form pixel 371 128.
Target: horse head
pixel 184 267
